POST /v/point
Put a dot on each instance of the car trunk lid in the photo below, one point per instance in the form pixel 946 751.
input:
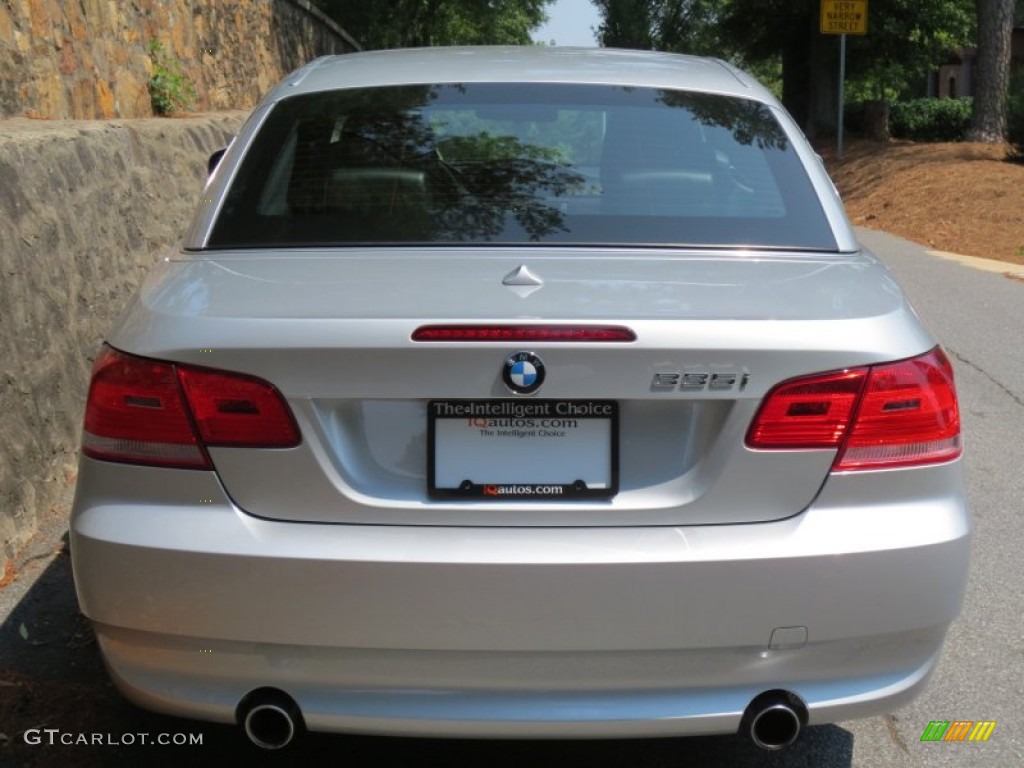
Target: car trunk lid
pixel 334 332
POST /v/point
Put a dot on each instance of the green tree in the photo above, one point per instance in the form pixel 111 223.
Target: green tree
pixel 905 39
pixel 690 26
pixel 415 23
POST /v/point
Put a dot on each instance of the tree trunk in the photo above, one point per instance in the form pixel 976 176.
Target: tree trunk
pixel 810 68
pixel 823 101
pixel 992 70
pixel 876 120
pixel 796 78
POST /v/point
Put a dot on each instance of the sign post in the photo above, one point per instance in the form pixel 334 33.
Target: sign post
pixel 843 17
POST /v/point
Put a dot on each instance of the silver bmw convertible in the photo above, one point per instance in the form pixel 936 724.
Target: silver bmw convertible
pixel 520 392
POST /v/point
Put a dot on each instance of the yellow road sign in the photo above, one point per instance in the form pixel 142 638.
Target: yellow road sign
pixel 844 17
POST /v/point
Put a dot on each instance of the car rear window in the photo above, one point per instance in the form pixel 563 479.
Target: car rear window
pixel 472 163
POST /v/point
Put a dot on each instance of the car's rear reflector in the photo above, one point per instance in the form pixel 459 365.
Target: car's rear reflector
pixel 523 333
pixel 894 415
pixel 143 411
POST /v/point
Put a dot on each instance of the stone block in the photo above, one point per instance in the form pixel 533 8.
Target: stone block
pixel 50 96
pixel 40 13
pixel 131 95
pixel 6 24
pixel 104 100
pixel 83 100
pixel 68 63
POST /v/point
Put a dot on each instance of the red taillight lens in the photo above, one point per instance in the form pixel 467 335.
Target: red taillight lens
pixel 144 411
pixel 812 412
pixel 908 416
pixel 136 414
pixel 894 415
pixel 235 410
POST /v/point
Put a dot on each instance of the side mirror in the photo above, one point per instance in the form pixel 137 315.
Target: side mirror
pixel 211 164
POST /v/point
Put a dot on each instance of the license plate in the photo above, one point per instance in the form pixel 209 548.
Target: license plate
pixel 516 450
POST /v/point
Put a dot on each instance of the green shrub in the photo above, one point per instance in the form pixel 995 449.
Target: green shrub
pixel 931 119
pixel 170 90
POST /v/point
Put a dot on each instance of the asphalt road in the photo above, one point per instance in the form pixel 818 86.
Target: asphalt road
pixel 978 317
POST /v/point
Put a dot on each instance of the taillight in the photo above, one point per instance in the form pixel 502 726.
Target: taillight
pixel 908 415
pixel 231 409
pixel 136 414
pixel 812 412
pixel 894 415
pixel 143 411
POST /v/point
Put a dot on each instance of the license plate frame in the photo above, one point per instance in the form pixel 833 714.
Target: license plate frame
pixel 591 470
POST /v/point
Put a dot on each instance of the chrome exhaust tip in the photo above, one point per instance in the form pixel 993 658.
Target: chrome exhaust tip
pixel 774 719
pixel 271 718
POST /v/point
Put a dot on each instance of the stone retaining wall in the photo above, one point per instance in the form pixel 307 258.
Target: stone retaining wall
pixel 86 207
pixel 86 59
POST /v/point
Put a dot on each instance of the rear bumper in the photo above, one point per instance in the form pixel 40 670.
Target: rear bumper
pixel 519 632
pixel 504 695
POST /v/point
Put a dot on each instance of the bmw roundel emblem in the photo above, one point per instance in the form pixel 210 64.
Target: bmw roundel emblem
pixel 523 373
